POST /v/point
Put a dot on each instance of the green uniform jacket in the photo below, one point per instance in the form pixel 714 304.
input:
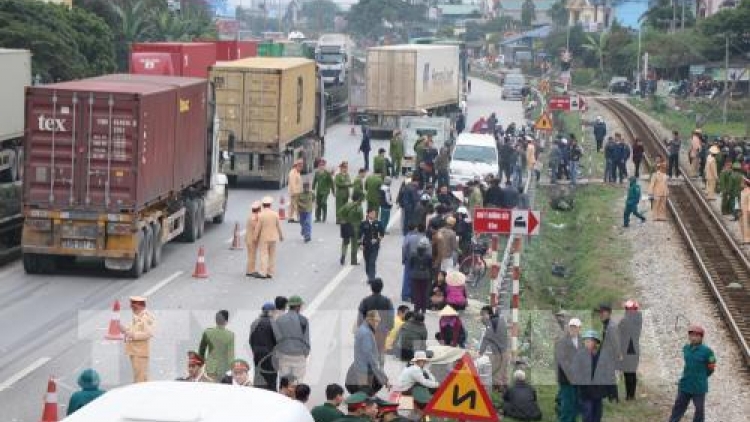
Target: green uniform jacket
pixel 353 214
pixel 322 183
pixel 352 418
pixel 217 348
pixel 358 186
pixel 475 198
pixel 372 185
pixel 343 182
pixel 379 166
pixel 419 151
pixel 326 413
pixel 305 201
pixel 699 365
pixel 397 147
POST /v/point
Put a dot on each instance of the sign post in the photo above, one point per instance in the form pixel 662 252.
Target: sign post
pixel 462 396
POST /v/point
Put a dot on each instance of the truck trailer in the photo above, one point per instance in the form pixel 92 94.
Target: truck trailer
pixel 190 59
pixel 116 167
pixel 16 65
pixel 272 113
pixel 410 80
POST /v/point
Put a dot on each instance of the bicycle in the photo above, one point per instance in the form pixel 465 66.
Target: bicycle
pixel 473 266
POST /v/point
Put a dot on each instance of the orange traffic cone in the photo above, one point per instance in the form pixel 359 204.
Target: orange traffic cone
pixel 353 132
pixel 282 209
pixel 49 414
pixel 114 332
pixel 236 244
pixel 200 266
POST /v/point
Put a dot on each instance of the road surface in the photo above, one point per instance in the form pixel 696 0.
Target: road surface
pixel 54 325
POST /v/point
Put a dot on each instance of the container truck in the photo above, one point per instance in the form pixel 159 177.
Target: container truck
pixel 172 58
pixel 333 56
pixel 116 167
pixel 272 112
pixel 16 65
pixel 410 80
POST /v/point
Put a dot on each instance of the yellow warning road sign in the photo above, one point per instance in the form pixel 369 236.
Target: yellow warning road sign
pixel 462 396
pixel 544 122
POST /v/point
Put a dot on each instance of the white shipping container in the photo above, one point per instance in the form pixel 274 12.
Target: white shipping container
pixel 412 77
pixel 16 65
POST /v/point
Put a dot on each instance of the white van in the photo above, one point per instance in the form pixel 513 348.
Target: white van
pixel 177 401
pixel 474 155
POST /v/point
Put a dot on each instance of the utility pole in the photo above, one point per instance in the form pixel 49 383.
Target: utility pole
pixel 638 61
pixel 682 23
pixel 726 76
pixel 674 18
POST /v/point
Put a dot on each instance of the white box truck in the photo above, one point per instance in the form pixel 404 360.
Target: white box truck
pixel 333 55
pixel 410 80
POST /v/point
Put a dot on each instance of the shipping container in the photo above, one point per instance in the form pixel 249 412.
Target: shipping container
pixel 270 49
pixel 235 50
pixel 117 166
pixel 412 77
pixel 172 58
pixel 16 71
pixel 267 108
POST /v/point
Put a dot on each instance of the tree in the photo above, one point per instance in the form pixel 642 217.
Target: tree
pixel 528 13
pixel 375 18
pixel 319 15
pixel 598 46
pixel 660 16
pixel 558 13
pixel 673 51
pixel 65 43
pixel 734 23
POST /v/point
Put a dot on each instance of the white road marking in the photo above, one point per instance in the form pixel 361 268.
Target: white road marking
pixel 23 373
pixel 158 286
pixel 328 290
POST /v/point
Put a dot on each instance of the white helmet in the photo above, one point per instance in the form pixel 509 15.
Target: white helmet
pixel 462 210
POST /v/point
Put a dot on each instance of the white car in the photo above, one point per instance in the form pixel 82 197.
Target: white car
pixel 475 155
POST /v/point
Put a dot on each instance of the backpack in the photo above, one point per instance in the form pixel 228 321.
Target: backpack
pixel 454 295
pixel 420 266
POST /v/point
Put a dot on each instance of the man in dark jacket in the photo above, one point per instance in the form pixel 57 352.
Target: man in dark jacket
pixel 263 343
pixel 408 197
pixel 566 349
pixel 494 196
pixel 600 131
pixel 509 198
pixel 460 123
pixel 507 158
pixel 411 337
pixel 371 232
pixel 609 161
pixel 377 302
pixel 519 402
pixel 630 328
pixel 590 379
pixel 610 351
pixel 622 155
pixel 364 146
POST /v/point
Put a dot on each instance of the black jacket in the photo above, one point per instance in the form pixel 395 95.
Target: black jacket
pixel 519 403
pixel 262 339
pixel 371 233
pixel 377 302
pixel 493 196
pixel 509 198
pixel 590 375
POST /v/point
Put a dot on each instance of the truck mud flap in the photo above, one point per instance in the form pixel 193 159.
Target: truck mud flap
pixel 118 264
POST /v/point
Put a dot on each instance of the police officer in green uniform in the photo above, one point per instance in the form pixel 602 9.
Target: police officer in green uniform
pixel 380 164
pixel 358 186
pixel 388 412
pixel 360 407
pixel 351 216
pixel 329 411
pixel 397 152
pixel 422 397
pixel 323 186
pixel 372 186
pixel 343 183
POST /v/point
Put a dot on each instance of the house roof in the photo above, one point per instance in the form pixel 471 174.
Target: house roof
pixel 459 9
pixel 541 32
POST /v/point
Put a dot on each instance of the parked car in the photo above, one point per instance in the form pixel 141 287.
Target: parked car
pixel 620 85
pixel 474 155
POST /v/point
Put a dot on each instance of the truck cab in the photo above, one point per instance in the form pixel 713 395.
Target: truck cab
pixel 414 127
pixel 332 55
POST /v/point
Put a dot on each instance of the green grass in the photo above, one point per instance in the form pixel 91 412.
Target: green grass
pixel 587 242
pixel 683 120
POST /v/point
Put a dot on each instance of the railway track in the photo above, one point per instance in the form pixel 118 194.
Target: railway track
pixel 720 260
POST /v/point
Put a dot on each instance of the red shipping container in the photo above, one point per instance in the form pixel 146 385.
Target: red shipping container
pixel 235 50
pixel 117 143
pixel 172 58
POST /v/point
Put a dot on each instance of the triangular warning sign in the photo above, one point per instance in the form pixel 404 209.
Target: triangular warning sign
pixel 462 396
pixel 543 122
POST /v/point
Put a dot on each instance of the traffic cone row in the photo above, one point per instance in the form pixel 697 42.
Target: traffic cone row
pixel 114 332
pixel 236 243
pixel 200 266
pixel 49 412
pixel 282 208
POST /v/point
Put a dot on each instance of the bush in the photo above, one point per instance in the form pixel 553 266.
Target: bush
pixel 585 77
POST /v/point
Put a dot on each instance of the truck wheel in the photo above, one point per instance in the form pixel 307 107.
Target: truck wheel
pixel 190 233
pixel 201 214
pixel 148 248
pixel 138 262
pixel 156 254
pixel 31 263
pixel 232 180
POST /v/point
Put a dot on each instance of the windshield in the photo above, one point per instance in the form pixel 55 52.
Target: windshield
pixel 329 58
pixel 475 153
pixel 514 80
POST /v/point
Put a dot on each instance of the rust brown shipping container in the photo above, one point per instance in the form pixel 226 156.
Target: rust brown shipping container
pixel 118 143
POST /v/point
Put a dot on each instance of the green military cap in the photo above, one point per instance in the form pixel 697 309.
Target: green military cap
pixel 421 395
pixel 357 398
pixel 295 301
pixel 736 166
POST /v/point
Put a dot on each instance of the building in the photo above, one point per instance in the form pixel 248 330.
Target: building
pixel 68 3
pixel 593 15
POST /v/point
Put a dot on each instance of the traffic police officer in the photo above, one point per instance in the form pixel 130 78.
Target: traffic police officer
pixel 343 183
pixel 137 338
pixel 323 186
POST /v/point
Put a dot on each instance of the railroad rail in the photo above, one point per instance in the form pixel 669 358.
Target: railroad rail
pixel 720 260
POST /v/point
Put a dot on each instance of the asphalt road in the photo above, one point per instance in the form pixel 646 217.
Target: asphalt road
pixel 54 325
